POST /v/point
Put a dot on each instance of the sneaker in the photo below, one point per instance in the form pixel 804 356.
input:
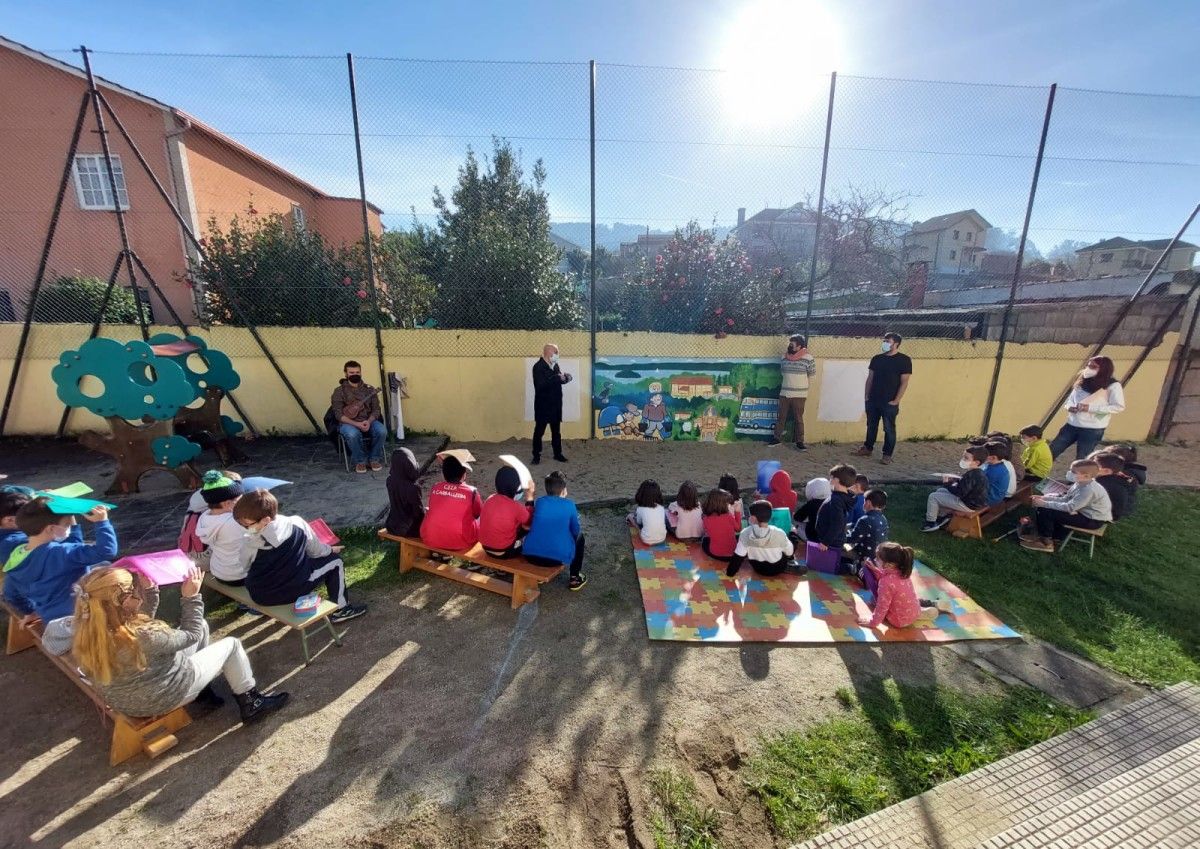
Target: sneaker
pixel 361 468
pixel 886 459
pixel 864 451
pixel 773 443
pixel 936 525
pixel 800 446
pixel 1035 544
pixel 577 583
pixel 376 465
pixel 345 614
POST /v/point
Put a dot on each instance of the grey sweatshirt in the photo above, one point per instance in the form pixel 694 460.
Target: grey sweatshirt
pixel 167 678
pixel 1085 499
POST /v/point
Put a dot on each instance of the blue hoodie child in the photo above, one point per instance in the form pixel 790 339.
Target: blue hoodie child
pixel 39 580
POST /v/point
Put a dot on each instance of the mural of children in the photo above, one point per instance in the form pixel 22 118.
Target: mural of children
pixel 630 422
pixel 655 415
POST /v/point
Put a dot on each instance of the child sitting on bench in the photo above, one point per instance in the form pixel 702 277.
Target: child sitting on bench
pixel 964 493
pixel 999 481
pixel 225 540
pixel 1035 454
pixel 896 602
pixel 144 667
pixel 765 547
pixel 1121 488
pixel 200 551
pixel 1085 505
pixel 504 519
pixel 555 537
pixel 406 511
pixel 452 522
pixel 12 499
pixel 39 572
pixel 288 559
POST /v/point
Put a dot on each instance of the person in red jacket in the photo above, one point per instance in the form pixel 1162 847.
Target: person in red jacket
pixel 781 493
pixel 505 519
pixel 452 520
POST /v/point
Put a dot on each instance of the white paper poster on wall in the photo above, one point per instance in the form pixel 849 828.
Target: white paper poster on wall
pixel 571 403
pixel 842 383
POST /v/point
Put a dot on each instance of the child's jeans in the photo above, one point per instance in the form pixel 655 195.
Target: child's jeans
pixel 942 500
pixel 763 568
pixel 576 562
pixel 1051 523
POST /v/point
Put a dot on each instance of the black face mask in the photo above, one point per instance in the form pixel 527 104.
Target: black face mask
pixel 791 349
pixel 354 378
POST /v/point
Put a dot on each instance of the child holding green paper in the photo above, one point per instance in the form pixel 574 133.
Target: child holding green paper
pixel 39 573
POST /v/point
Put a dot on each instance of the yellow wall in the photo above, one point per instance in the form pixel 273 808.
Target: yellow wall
pixel 470 384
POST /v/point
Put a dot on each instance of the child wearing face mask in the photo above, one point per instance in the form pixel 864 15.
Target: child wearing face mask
pixel 39 573
pixel 289 561
pixel 1035 455
pixel 1085 505
pixel 961 493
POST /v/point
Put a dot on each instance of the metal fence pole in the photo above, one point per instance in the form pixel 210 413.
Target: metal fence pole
pixel 812 267
pixel 1124 311
pixel 1016 280
pixel 1183 361
pixel 592 254
pixel 116 199
pixel 1159 333
pixel 38 278
pixel 362 192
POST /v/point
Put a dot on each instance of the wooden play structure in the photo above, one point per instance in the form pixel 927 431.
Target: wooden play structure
pixel 161 399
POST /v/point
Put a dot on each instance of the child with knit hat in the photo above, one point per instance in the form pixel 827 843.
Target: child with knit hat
pixel 228 555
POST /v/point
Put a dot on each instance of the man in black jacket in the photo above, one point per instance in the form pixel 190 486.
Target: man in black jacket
pixel 548 380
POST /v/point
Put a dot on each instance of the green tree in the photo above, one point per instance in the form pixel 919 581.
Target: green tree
pixel 701 284
pixel 490 252
pixel 77 299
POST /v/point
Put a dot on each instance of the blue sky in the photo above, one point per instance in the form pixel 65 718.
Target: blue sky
pixel 675 144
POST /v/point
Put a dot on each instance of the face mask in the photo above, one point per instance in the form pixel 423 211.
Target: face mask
pixel 355 378
pixel 1071 477
pixel 885 346
pixel 255 530
pixel 60 533
pixel 963 464
pixel 554 358
pixel 1090 372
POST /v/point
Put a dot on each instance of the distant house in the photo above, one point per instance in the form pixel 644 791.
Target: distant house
pixel 1120 256
pixel 777 236
pixel 205 173
pixel 566 247
pixel 692 387
pixel 950 244
pixel 647 244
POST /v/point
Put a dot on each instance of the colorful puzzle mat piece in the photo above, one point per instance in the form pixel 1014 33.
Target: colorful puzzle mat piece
pixel 687 598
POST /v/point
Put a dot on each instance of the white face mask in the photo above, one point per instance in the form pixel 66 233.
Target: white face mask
pixel 1071 477
pixel 963 464
pixel 554 358
pixel 885 346
pixel 1090 372
pixel 60 533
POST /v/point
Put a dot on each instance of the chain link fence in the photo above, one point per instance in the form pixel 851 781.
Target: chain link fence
pixel 502 195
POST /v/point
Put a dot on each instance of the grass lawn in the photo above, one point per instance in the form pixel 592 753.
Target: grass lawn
pixel 1134 608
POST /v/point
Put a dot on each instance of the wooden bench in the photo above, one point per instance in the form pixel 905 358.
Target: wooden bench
pixel 415 554
pixel 1086 535
pixel 150 735
pixel 970 524
pixel 284 614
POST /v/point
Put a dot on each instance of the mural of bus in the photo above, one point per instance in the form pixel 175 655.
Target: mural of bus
pixel 756 417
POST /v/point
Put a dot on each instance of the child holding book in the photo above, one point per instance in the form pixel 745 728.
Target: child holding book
pixel 405 510
pixel 1085 505
pixel 504 519
pixel 960 493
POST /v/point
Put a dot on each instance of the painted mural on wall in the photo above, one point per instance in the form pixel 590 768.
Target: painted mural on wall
pixel 685 399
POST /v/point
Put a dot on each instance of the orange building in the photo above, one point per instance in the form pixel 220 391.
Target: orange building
pixel 206 174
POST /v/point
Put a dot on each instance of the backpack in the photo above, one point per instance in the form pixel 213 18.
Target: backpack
pixel 189 543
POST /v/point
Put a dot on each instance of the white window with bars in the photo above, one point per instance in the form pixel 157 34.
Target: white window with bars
pixel 92 185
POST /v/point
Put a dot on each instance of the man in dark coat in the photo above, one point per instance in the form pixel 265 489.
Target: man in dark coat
pixel 548 380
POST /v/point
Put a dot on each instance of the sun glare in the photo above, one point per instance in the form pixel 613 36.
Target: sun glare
pixel 778 54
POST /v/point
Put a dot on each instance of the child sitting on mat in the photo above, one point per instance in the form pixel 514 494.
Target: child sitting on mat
pixel 861 484
pixel 1085 505
pixel 684 515
pixel 649 516
pixel 555 536
pixel 505 520
pixel 721 525
pixel 452 521
pixel 761 544
pixel 729 483
pixel 780 492
pixel 896 602
pixel 831 516
pixel 288 559
pixel 871 530
pixel 816 493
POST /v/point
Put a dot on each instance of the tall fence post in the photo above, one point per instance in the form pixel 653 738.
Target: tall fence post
pixel 1016 279
pixel 1182 361
pixel 367 245
pixel 812 267
pixel 592 251
pixel 1125 308
pixel 102 131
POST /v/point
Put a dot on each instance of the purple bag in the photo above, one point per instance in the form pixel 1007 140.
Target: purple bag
pixel 821 561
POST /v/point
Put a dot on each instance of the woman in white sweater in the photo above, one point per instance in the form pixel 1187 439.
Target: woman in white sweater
pixel 1095 398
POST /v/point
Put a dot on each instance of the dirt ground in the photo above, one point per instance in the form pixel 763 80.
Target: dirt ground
pixel 446 720
pixel 599 470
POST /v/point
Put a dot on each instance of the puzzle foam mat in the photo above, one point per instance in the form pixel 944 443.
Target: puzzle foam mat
pixel 688 598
